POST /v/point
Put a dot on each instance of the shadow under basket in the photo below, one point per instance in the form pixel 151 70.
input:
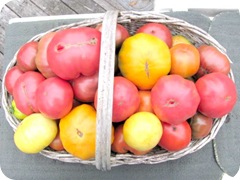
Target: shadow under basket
pixel 105 159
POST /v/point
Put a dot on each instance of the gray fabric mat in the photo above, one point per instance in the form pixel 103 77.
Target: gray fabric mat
pixel 199 165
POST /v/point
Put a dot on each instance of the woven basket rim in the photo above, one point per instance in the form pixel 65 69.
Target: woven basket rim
pixel 154 157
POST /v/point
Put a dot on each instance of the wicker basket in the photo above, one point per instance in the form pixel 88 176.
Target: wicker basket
pixel 131 20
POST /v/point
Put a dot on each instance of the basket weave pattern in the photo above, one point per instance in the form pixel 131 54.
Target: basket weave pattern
pixel 132 21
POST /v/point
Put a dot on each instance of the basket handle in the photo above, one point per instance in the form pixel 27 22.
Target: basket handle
pixel 105 91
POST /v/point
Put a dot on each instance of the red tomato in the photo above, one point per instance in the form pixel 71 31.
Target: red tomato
pixel 11 77
pixel 175 137
pixel 218 94
pixel 159 30
pixel 26 56
pixel 24 91
pixel 145 101
pixel 185 60
pixel 74 52
pixel 212 60
pixel 174 99
pixel 201 126
pixel 54 98
pixel 85 87
pixel 125 99
pixel 56 144
pixel 121 34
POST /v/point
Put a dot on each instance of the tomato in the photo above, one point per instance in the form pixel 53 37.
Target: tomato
pixel 174 99
pixel 24 92
pixel 143 59
pixel 159 30
pixel 11 77
pixel 56 144
pixel 175 137
pixel 178 39
pixel 218 94
pixel 212 60
pixel 41 57
pixel 121 34
pixel 54 98
pixel 78 132
pixel 125 99
pixel 120 146
pixel 85 87
pixel 74 52
pixel 35 133
pixel 142 131
pixel 201 126
pixel 145 101
pixel 15 111
pixel 185 60
pixel 26 56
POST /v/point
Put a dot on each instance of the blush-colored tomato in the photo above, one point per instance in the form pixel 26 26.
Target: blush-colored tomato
pixel 26 56
pixel 24 92
pixel 56 144
pixel 201 126
pixel 41 57
pixel 218 94
pixel 212 60
pixel 143 59
pixel 74 52
pixel 185 60
pixel 11 77
pixel 174 99
pixel 125 99
pixel 54 98
pixel 175 137
pixel 85 87
pixel 145 101
pixel 159 30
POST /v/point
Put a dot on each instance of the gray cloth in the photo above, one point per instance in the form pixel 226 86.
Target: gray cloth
pixel 199 165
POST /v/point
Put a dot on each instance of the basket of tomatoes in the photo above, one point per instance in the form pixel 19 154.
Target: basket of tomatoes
pixel 124 88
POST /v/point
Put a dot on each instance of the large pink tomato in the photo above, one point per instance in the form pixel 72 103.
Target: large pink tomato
pixel 74 52
pixel 218 94
pixel 24 91
pixel 125 99
pixel 54 98
pixel 174 99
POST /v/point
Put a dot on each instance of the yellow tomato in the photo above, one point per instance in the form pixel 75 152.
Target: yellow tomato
pixel 143 59
pixel 78 132
pixel 34 133
pixel 142 131
pixel 178 39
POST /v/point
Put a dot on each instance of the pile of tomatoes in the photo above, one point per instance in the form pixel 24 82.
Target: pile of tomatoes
pixel 167 91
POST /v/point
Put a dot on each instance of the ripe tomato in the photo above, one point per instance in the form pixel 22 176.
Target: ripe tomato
pixel 185 60
pixel 201 126
pixel 174 99
pixel 15 111
pixel 56 144
pixel 212 60
pixel 218 94
pixel 175 137
pixel 145 101
pixel 159 30
pixel 54 98
pixel 35 133
pixel 143 59
pixel 11 77
pixel 24 92
pixel 74 52
pixel 78 132
pixel 41 57
pixel 125 99
pixel 26 56
pixel 178 39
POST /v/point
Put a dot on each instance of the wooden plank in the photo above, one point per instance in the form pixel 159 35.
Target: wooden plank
pixel 84 6
pixel 25 8
pixel 6 15
pixel 109 4
pixel 2 35
pixel 53 7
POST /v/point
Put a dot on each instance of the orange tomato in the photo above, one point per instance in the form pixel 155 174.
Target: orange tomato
pixel 143 59
pixel 185 60
pixel 78 132
pixel 145 101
